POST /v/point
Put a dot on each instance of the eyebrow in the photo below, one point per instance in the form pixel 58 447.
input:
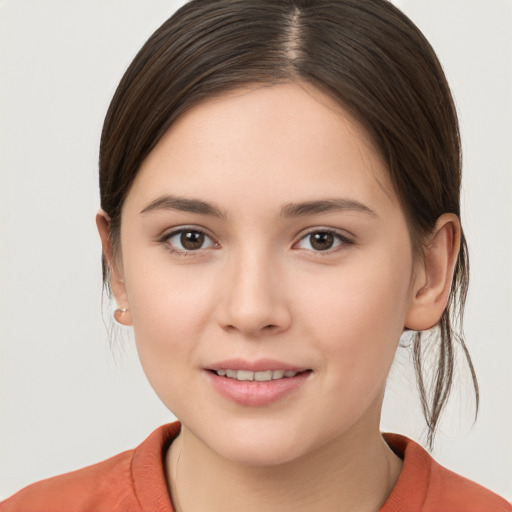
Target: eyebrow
pixel 182 204
pixel 302 209
pixel 324 206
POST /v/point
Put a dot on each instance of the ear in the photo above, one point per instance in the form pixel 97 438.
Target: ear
pixel 433 280
pixel 115 271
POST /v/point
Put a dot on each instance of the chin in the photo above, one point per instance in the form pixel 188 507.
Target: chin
pixel 262 452
pixel 258 442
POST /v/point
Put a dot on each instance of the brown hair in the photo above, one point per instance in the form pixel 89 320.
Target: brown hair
pixel 367 55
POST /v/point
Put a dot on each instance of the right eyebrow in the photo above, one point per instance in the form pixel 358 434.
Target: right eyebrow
pixel 182 204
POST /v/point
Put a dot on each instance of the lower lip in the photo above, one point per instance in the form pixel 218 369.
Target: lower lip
pixel 256 393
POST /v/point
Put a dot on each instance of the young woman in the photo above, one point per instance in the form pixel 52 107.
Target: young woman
pixel 280 186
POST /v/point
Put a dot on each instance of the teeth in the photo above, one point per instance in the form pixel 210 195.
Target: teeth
pixel 244 375
pixel 258 376
pixel 262 376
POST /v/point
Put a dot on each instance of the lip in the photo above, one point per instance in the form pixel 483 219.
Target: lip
pixel 260 365
pixel 256 393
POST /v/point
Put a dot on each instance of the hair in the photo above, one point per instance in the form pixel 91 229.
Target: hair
pixel 368 56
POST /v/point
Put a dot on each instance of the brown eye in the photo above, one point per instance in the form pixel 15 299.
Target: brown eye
pixel 188 240
pixel 319 241
pixel 192 240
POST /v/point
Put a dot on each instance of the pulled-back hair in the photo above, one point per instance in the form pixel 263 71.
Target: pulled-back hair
pixel 367 55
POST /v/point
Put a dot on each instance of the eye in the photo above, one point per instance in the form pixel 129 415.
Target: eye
pixel 322 240
pixel 188 240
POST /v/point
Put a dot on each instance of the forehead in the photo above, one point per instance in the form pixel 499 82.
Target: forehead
pixel 280 142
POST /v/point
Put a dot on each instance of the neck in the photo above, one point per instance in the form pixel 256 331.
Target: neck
pixel 355 472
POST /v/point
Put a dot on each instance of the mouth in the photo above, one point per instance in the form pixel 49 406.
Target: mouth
pixel 257 383
pixel 259 376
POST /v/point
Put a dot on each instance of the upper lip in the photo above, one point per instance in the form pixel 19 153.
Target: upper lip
pixel 259 365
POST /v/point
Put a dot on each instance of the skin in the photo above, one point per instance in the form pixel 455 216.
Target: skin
pixel 258 288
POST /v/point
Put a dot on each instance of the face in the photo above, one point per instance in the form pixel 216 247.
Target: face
pixel 262 236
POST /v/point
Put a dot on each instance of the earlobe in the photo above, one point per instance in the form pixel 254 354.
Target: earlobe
pixel 115 274
pixel 433 281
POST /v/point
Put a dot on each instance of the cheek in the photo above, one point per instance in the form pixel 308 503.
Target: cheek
pixel 357 330
pixel 170 313
pixel 170 305
pixel 357 317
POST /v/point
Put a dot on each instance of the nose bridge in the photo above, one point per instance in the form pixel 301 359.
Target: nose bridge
pixel 254 301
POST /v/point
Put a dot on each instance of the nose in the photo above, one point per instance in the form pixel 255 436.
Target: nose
pixel 253 299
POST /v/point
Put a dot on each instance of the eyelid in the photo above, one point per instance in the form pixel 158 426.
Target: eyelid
pixel 172 232
pixel 341 235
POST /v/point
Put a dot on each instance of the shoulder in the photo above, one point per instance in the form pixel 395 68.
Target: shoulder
pixel 426 486
pixel 121 483
pixel 90 488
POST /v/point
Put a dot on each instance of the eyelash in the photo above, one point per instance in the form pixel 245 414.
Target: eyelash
pixel 343 240
pixel 179 252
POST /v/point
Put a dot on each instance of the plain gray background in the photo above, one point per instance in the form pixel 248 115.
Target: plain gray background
pixel 67 398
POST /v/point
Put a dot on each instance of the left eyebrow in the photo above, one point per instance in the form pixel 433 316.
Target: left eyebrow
pixel 324 206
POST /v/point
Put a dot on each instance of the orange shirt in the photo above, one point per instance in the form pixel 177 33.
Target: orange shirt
pixel 134 481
